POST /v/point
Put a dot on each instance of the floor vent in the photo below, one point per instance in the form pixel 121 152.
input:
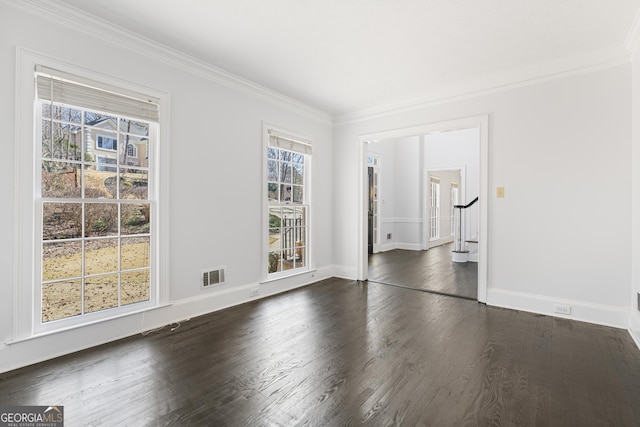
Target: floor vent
pixel 211 277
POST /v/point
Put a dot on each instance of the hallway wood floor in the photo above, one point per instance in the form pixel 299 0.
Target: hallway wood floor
pixel 348 353
pixel 430 270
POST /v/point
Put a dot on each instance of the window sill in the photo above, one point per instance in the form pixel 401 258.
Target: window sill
pixel 311 271
pixel 93 322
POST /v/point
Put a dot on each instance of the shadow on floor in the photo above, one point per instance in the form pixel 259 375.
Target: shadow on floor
pixel 430 270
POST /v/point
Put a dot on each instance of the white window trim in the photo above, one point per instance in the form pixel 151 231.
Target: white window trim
pixel 310 265
pixel 25 270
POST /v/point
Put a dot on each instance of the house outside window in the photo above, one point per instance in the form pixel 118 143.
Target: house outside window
pixel 288 200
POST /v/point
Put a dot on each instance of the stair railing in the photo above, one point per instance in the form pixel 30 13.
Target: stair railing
pixel 459 211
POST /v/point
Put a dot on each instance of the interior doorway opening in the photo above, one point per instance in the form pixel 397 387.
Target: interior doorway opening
pixel 413 167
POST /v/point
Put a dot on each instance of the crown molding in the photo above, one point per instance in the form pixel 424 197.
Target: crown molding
pixel 94 26
pixel 497 83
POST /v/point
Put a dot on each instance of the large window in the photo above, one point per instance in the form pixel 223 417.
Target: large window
pixel 94 213
pixel 288 172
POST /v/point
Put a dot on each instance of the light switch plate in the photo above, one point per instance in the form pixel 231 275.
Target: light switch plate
pixel 499 192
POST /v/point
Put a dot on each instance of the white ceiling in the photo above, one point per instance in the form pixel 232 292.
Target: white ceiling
pixel 349 55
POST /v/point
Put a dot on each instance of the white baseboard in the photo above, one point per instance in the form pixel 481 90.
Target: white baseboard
pixel 345 272
pixel 440 242
pixel 409 246
pixel 400 245
pixel 617 317
pixel 634 327
pixel 388 247
pixel 14 355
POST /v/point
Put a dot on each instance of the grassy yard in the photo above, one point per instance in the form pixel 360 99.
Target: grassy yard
pixel 64 299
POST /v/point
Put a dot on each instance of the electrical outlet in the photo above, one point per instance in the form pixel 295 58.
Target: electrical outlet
pixel 254 292
pixel 562 309
pixel 388 236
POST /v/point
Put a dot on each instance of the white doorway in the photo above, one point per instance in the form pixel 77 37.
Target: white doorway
pixel 480 123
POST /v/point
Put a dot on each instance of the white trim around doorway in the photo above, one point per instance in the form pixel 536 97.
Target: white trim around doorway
pixel 480 122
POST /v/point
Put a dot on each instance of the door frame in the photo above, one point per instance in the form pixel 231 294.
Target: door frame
pixel 482 123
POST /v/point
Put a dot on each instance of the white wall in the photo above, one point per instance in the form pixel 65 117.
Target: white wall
pixel 634 324
pixel 459 148
pixel 216 177
pixel 561 149
pixel 401 192
pixel 386 192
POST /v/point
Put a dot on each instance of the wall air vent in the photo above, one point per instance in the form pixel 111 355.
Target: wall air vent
pixel 211 277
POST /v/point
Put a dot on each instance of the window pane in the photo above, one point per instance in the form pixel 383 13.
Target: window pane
pixel 135 218
pixel 285 193
pixel 61 180
pixel 101 219
pixel 300 255
pixel 61 300
pixel 301 214
pixel 285 172
pixel 298 174
pixel 272 170
pixel 101 256
pixel 272 192
pixel 297 158
pixel 67 114
pixel 298 196
pixel 135 153
pixel 272 153
pixel 134 127
pixel 286 264
pixel 134 253
pixel 134 184
pixel 46 110
pixel 100 292
pixel 134 287
pixel 285 155
pixel 275 215
pixel 61 141
pixel 274 261
pixel 92 118
pixel 61 260
pixel 99 183
pixel 61 221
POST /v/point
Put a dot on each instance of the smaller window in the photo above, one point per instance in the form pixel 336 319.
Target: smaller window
pixel 107 143
pixel 132 151
pixel 104 161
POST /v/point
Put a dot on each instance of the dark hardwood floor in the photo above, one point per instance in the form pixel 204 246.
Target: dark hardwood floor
pixel 430 270
pixel 348 353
